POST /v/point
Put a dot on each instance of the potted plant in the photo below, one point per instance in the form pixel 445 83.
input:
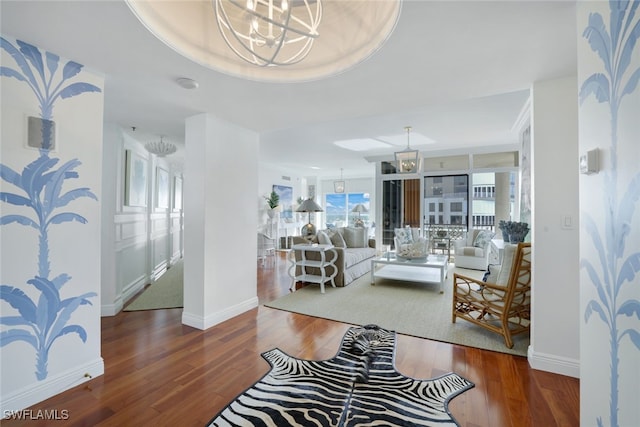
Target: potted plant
pixel 513 231
pixel 272 201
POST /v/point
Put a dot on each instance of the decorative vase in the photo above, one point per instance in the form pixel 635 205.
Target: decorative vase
pixel 505 236
pixel 271 213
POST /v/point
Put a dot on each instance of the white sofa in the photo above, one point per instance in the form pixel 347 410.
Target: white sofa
pixel 354 248
pixel 472 251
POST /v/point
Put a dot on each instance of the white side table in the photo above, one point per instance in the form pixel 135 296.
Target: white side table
pixel 321 264
pixel 496 251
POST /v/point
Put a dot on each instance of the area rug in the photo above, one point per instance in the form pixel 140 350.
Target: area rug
pixel 359 386
pixel 166 292
pixel 408 308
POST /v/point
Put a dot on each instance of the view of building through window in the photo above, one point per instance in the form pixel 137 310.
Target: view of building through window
pixel 446 199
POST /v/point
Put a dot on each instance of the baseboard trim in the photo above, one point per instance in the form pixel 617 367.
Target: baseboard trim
pixel 206 322
pixel 134 287
pixel 42 390
pixel 107 310
pixel 552 363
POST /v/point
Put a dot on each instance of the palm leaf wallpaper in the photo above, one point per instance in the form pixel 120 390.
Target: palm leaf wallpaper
pixel 40 190
pixel 613 272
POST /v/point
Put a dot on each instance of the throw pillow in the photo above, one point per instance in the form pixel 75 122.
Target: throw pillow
pixel 483 238
pixel 323 238
pixel 337 240
pixel 491 275
pixel 404 235
pixel 355 237
pixel 507 264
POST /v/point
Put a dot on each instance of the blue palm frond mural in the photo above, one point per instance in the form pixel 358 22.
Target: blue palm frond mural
pixel 41 191
pixel 616 269
pixel 32 71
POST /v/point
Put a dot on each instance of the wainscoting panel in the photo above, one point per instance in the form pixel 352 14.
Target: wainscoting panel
pixel 176 236
pixel 132 275
pixel 131 227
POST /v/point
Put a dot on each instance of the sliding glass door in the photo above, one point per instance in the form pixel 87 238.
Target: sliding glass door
pixel 400 206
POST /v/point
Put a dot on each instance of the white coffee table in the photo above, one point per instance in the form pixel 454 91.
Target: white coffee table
pixel 432 270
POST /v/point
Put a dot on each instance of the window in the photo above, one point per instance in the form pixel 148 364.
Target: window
pixel 493 198
pixel 339 209
pixel 446 199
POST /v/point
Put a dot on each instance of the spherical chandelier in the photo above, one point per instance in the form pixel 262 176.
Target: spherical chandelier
pixel 269 32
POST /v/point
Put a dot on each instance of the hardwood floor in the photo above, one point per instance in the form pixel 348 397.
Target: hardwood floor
pixel 159 372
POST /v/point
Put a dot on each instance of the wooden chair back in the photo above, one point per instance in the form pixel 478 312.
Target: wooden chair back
pixel 501 308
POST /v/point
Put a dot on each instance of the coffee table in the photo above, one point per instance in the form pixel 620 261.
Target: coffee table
pixel 433 269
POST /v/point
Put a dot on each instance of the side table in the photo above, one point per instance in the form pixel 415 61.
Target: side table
pixel 496 251
pixel 320 264
pixel 441 244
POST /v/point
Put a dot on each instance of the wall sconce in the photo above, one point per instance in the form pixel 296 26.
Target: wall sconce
pixel 589 162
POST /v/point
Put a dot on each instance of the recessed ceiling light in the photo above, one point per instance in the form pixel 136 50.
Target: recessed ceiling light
pixel 187 83
pixel 361 144
pixel 400 140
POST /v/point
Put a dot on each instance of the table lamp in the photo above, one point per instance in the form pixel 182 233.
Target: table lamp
pixel 309 206
pixel 360 208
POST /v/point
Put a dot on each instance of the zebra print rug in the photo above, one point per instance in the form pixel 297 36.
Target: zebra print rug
pixel 359 386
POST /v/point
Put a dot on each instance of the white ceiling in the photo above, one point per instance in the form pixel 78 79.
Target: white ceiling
pixel 458 72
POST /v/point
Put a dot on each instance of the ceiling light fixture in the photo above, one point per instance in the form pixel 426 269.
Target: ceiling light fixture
pixel 343 34
pixel 407 159
pixel 160 148
pixel 338 186
pixel 269 32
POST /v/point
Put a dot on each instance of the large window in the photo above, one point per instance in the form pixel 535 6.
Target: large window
pixel 493 198
pixel 339 209
pixel 446 199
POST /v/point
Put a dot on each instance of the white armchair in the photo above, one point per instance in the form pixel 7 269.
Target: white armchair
pixel 409 243
pixel 472 251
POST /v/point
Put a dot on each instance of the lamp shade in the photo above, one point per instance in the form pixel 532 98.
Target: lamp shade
pixel 309 205
pixel 360 208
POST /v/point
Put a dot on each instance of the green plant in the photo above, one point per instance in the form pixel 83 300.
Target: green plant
pixel 273 200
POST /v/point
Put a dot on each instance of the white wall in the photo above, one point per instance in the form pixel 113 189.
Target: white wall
pixel 111 294
pixel 554 135
pixel 268 176
pixel 73 244
pixel 610 228
pixel 220 221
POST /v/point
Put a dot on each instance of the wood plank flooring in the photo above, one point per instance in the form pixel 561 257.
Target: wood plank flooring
pixel 159 372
